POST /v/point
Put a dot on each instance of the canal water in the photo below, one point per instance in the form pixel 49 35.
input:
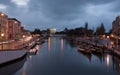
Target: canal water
pixel 58 56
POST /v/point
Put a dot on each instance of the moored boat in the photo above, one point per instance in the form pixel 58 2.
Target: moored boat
pixel 84 50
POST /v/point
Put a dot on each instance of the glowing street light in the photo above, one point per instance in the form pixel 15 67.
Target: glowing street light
pixel 108 37
pixel 15 22
pixel 23 39
pixel 112 35
pixel 2 14
pixel 2 35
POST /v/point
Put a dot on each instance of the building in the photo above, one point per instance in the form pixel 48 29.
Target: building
pixel 10 28
pixel 14 28
pixel 116 26
pixel 3 26
pixel 52 30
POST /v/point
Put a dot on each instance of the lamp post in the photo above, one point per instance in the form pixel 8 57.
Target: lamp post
pixel 2 35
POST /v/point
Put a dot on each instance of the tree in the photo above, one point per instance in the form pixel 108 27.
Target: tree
pixel 110 31
pixel 86 28
pixel 100 30
pixel 65 30
pixel 90 32
pixel 36 31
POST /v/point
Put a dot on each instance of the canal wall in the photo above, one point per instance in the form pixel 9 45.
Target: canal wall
pixel 8 56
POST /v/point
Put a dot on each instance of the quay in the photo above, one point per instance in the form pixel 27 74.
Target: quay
pixel 16 49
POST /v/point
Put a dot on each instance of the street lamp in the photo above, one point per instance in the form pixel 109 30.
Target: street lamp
pixel 2 14
pixel 112 35
pixel 2 35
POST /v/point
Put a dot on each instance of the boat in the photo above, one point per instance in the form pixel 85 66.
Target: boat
pixel 33 51
pixel 97 50
pixel 84 50
pixel 81 49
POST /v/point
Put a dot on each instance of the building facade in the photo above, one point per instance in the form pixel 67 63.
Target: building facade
pixel 116 26
pixel 14 28
pixel 3 26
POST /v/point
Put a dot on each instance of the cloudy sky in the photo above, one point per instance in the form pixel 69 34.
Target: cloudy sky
pixel 59 14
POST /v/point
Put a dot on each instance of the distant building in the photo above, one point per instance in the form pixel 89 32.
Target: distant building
pixel 4 26
pixel 14 28
pixel 116 26
pixel 52 30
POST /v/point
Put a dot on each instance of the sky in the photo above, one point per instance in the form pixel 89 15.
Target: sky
pixel 62 14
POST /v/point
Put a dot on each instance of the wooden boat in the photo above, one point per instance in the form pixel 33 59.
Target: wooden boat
pixel 86 51
pixel 88 56
pixel 81 49
pixel 33 51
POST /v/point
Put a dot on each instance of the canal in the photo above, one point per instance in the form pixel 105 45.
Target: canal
pixel 58 56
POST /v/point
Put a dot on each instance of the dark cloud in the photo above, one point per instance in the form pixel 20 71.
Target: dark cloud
pixel 7 2
pixel 64 13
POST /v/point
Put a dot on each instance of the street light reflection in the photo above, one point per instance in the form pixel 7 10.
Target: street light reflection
pixel 24 69
pixel 62 44
pixel 49 44
pixel 107 60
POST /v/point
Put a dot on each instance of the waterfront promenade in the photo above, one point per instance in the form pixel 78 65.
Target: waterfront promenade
pixel 12 50
pixel 16 45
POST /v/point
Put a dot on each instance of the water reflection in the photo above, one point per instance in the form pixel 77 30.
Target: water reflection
pixel 24 69
pixel 12 67
pixel 88 56
pixel 50 62
pixel 99 56
pixel 30 58
pixel 107 60
pixel 49 44
pixel 116 63
pixel 62 46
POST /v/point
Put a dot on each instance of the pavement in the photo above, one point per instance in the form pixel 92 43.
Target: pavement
pixel 15 45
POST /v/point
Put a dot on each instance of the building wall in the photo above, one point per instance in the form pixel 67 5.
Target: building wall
pixel 116 26
pixel 14 26
pixel 4 25
pixel 11 27
pixel 10 30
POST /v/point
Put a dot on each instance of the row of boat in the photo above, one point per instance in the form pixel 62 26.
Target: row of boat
pixel 34 46
pixel 89 49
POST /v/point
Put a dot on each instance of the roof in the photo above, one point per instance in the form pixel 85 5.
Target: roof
pixel 14 19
